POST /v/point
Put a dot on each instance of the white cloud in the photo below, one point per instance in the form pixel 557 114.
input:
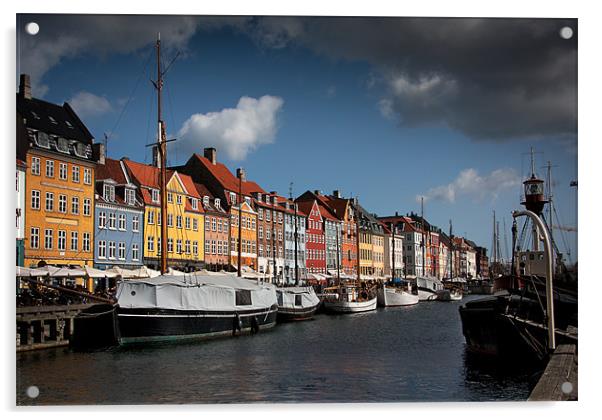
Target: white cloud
pixel 87 104
pixel 236 131
pixel 469 184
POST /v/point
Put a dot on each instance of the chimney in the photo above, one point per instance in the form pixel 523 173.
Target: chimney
pixel 240 173
pixel 317 192
pixel 211 154
pixel 25 87
pixel 336 193
pixel 98 153
pixel 396 214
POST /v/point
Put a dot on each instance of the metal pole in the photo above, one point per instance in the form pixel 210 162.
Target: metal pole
pixel 161 144
pixel 239 224
pixel 549 290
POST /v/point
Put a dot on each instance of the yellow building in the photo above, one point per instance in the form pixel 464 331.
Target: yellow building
pixel 365 253
pixel 378 255
pixel 59 182
pixel 248 235
pixel 185 219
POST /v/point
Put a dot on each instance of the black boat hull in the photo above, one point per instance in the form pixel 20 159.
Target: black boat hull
pixel 296 314
pixel 96 327
pixel 157 325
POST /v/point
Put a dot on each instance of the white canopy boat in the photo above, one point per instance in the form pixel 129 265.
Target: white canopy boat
pixel 296 303
pixel 396 295
pixel 429 288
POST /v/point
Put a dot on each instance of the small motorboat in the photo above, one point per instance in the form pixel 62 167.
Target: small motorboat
pixel 396 295
pixel 350 298
pixel 296 303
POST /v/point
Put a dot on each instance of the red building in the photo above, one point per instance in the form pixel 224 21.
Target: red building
pixel 315 243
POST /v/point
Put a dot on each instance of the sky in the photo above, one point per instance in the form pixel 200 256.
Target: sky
pixel 386 109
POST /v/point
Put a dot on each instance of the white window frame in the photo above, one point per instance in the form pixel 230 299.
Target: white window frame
pixel 35 199
pixel 36 165
pixel 75 173
pixel 34 238
pixel 63 171
pixel 49 168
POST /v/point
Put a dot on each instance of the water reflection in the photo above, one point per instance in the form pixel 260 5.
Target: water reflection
pixel 396 354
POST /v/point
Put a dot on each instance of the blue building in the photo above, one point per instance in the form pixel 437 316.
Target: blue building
pixel 118 218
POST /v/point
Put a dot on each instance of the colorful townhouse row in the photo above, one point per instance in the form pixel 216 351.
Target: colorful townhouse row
pixel 77 207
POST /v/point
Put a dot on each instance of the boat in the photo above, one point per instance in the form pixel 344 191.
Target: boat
pixel 396 295
pixel 528 314
pixel 429 288
pixel 296 303
pixel 349 298
pixel 168 308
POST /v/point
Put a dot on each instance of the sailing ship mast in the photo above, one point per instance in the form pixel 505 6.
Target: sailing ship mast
pixel 357 237
pixel 423 241
pixel 451 249
pixel 162 151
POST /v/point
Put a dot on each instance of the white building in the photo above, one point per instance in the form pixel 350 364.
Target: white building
pixel 394 253
pixel 20 214
pixel 290 225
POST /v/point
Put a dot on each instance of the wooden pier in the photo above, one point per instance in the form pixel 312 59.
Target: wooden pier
pixel 559 380
pixel 40 327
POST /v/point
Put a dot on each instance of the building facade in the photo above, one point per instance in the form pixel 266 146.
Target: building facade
pixel 185 219
pixel 118 219
pixel 393 252
pixel 217 231
pixel 270 235
pixel 20 213
pixel 315 243
pixel 343 210
pixel 61 158
pixel 294 242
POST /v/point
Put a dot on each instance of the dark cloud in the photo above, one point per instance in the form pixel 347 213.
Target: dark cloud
pixel 491 79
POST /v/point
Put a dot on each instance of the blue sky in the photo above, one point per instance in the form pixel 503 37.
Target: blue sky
pixel 336 114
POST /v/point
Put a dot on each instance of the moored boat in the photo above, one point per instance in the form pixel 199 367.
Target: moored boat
pixel 350 298
pixel 168 308
pixel 296 303
pixel 428 288
pixel 392 295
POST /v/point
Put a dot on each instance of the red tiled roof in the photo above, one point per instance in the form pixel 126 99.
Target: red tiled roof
pixel 21 163
pixel 227 179
pixel 111 170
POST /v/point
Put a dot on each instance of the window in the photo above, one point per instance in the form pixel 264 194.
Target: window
pixel 50 168
pixel 62 203
pixel 86 242
pixel 87 176
pixel 187 223
pixel 208 223
pixel 121 250
pixel 179 221
pixel 194 203
pixel 87 206
pixel 219 225
pixel 150 243
pixel 62 242
pixel 268 215
pixel 35 199
pixel 102 249
pixel 75 205
pixel 243 298
pixel 135 252
pixel 35 165
pixel 135 223
pixel 34 238
pixel 122 222
pixel 187 246
pixel 170 220
pixel 108 192
pixel 179 246
pixel 169 245
pixel 207 246
pixel 213 247
pixel 155 196
pixel 102 220
pixel 260 232
pixel 233 198
pixel 63 171
pixel 49 201
pixel 213 224
pixel 195 247
pixel 74 240
pixel 130 197
pixel 112 220
pixel 218 203
pixel 195 224
pixel 150 218
pixel 179 199
pixel 75 173
pixel 112 250
pixel 205 200
pixel 169 197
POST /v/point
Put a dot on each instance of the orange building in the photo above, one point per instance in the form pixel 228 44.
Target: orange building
pixel 59 200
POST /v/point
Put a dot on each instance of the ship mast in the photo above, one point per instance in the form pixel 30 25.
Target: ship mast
pixel 423 241
pixel 357 237
pixel 451 250
pixel 162 150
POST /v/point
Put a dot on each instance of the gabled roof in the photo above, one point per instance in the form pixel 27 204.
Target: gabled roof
pixel 325 211
pixel 204 192
pixel 53 119
pixel 111 170
pixel 338 205
pixel 227 179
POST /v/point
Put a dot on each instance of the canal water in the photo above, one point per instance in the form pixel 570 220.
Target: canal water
pixel 415 353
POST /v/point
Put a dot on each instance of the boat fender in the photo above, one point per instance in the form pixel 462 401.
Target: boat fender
pixel 236 324
pixel 254 325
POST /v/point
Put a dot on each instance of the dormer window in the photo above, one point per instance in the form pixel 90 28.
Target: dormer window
pixel 259 197
pixel 195 203
pixel 130 198
pixel 108 192
pixel 205 200
pixel 52 120
pixel 36 116
pixel 248 200
pixel 267 199
pixel 68 124
pixel 217 203
pixel 232 198
pixel 155 196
